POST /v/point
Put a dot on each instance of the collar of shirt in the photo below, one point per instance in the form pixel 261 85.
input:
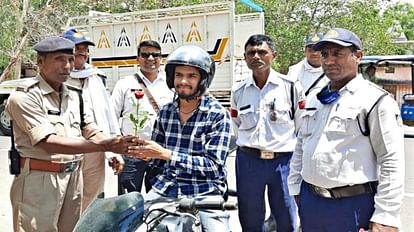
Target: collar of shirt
pixel 160 77
pixel 203 106
pixel 47 89
pixel 273 78
pixel 88 71
pixel 309 68
pixel 353 84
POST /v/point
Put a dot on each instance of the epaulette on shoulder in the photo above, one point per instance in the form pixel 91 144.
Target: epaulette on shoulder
pixel 286 78
pixel 377 87
pixel 73 88
pixel 26 85
pixel 239 84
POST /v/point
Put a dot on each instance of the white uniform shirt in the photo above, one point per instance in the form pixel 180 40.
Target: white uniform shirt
pixel 332 152
pixel 94 92
pixel 254 125
pixel 307 75
pixel 123 94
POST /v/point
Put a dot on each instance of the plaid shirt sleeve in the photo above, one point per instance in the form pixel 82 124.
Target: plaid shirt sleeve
pixel 158 135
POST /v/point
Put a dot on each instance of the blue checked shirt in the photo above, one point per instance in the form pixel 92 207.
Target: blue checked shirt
pixel 199 150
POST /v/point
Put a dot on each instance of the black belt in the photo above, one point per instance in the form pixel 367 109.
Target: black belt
pixel 344 191
pixel 263 154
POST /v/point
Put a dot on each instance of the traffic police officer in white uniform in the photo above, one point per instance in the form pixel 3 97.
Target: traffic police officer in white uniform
pixel 50 137
pixel 89 79
pixel 262 109
pixel 309 71
pixel 347 171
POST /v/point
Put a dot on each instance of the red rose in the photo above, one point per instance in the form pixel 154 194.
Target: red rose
pixel 139 94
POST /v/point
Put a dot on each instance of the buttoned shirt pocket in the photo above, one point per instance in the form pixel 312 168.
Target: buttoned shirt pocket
pixel 58 124
pixel 308 126
pixel 74 119
pixel 248 118
pixel 344 122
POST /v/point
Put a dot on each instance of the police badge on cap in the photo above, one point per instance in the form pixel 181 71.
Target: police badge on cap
pixel 340 36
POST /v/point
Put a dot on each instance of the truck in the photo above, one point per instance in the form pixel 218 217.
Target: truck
pixel 214 27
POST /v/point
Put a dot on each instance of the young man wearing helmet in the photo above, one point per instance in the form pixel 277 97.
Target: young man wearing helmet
pixel 191 136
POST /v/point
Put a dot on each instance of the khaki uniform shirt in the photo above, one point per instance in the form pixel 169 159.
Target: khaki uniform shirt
pixel 38 111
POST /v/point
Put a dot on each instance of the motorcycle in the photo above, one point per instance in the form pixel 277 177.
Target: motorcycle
pixel 128 212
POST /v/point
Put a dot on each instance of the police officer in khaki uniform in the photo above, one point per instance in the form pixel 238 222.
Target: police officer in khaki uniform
pixel 49 135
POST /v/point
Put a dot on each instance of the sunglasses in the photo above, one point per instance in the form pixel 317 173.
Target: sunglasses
pixel 146 55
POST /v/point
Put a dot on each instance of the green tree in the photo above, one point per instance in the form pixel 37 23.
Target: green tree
pixel 287 21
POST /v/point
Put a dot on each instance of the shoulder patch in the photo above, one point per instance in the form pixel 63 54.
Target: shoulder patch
pixel 74 88
pixel 285 78
pixel 377 87
pixel 26 85
pixel 239 85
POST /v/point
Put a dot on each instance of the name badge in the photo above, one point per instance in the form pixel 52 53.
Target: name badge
pixel 53 112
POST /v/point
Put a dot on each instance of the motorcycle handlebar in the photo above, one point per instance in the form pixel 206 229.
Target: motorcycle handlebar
pixel 214 203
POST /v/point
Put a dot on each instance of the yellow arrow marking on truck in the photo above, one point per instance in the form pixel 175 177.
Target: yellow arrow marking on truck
pixel 103 41
pixel 145 35
pixel 194 33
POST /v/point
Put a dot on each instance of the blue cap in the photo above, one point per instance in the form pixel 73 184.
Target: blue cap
pixel 341 37
pixel 77 37
pixel 313 38
pixel 54 44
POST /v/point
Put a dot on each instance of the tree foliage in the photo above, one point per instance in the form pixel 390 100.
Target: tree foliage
pixel 288 22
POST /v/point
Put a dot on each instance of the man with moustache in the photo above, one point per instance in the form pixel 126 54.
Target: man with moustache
pixel 52 128
pixel 263 107
pixel 347 171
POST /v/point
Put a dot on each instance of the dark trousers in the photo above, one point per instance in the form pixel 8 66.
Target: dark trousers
pixel 253 175
pixel 318 214
pixel 132 176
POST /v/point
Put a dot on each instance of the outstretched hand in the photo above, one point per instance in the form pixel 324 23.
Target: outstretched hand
pixel 147 149
pixel 119 144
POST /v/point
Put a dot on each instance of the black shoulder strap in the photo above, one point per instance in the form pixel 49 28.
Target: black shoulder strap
pixel 367 131
pixel 148 93
pixel 292 100
pixel 314 84
pixel 81 108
